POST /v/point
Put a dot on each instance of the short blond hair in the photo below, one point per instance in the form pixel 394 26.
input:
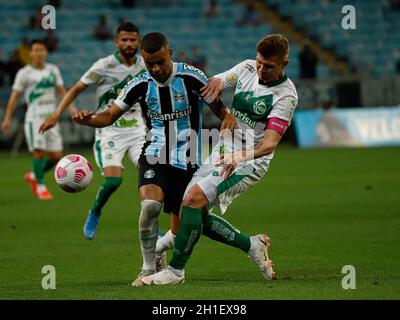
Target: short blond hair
pixel 274 45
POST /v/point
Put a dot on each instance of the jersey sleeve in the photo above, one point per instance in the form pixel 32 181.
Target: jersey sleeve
pixel 195 78
pixel 59 79
pixel 134 91
pixel 19 81
pixel 231 76
pixel 95 73
pixel 284 108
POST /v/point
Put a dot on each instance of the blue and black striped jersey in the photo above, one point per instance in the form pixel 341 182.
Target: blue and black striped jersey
pixel 173 114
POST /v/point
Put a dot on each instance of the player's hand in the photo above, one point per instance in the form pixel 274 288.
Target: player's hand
pixel 49 123
pixel 229 122
pixel 213 89
pixel 5 125
pixel 230 162
pixel 82 117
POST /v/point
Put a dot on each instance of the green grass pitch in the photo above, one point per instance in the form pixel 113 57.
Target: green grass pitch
pixel 323 209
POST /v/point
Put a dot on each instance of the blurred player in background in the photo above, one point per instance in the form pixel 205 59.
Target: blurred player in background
pixel 39 81
pixel 263 104
pixel 127 135
pixel 171 154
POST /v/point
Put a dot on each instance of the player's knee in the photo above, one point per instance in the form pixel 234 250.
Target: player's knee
pixel 150 210
pixel 195 198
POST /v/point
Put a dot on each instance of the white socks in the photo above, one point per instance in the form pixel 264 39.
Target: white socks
pixel 166 242
pixel 148 223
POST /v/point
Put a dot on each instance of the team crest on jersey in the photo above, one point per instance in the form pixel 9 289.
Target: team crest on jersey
pixel 239 85
pixel 179 97
pixel 259 107
pixel 149 173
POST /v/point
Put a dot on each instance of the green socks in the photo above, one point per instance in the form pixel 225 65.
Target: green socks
pixel 109 185
pixel 218 229
pixel 47 164
pixel 189 233
pixel 38 166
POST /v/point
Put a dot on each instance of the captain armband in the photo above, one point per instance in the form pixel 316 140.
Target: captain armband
pixel 277 125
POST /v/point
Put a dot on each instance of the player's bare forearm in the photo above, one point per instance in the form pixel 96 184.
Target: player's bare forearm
pixel 67 98
pixel 98 120
pixel 222 112
pixel 12 103
pixel 265 147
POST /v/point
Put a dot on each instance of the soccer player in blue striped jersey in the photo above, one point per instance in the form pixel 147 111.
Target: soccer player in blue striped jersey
pixel 169 94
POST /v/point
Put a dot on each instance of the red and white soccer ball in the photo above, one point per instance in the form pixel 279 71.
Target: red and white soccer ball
pixel 73 173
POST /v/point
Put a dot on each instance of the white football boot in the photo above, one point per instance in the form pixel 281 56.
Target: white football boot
pixel 258 253
pixel 143 273
pixel 167 276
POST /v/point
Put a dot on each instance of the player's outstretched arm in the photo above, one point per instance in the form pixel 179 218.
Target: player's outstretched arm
pixel 213 89
pixel 12 103
pixel 99 120
pixel 66 100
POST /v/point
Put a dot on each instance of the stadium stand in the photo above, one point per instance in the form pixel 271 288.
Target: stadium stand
pixel 373 47
pixel 220 39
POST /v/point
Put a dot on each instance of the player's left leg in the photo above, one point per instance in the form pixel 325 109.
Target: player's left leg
pixel 111 183
pixel 109 152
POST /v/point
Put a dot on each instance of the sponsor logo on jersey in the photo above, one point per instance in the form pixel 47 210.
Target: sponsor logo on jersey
pixel 111 144
pixel 239 85
pixel 108 156
pixel 149 173
pixel 169 116
pixel 259 107
pixel 243 117
pixel 250 68
pixel 191 68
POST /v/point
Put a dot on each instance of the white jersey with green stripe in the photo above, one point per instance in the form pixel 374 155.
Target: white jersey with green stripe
pixel 255 102
pixel 110 75
pixel 39 87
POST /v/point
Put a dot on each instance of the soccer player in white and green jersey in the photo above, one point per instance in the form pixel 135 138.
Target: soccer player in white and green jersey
pixel 263 105
pixel 125 136
pixel 39 81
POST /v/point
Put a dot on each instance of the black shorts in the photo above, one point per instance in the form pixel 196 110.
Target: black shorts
pixel 173 182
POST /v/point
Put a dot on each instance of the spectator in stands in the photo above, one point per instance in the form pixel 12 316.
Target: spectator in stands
pixel 308 62
pixel 212 10
pixel 23 51
pixel 128 3
pixel 55 3
pixel 13 65
pixel 35 20
pixel 51 41
pixel 3 69
pixel 395 4
pixel 182 56
pixel 102 30
pixel 249 17
pixel 197 59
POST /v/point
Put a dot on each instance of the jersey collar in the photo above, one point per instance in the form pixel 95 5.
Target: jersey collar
pixel 273 83
pixel 116 55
